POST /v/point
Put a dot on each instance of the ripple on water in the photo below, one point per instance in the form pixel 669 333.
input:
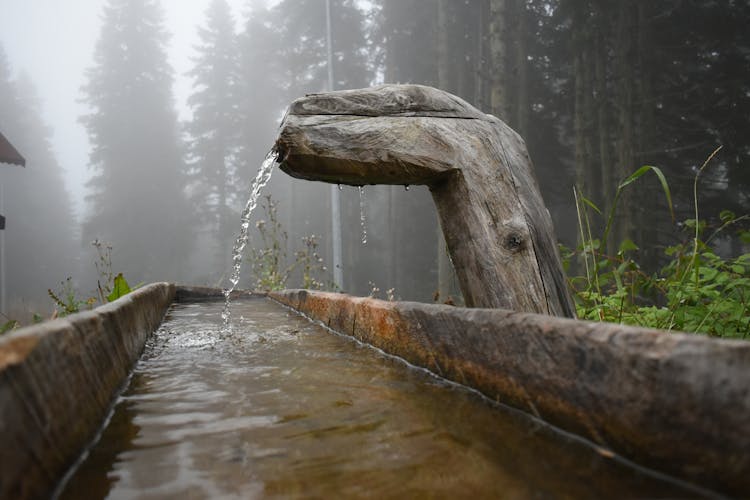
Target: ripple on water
pixel 280 407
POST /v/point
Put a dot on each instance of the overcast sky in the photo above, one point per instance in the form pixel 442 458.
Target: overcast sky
pixel 53 42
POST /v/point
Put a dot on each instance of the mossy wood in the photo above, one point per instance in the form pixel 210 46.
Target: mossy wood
pixel 498 231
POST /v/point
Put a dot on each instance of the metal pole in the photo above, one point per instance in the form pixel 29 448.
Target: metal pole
pixel 338 269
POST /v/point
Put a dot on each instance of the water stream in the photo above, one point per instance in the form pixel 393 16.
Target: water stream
pixel 261 179
pixel 362 216
pixel 282 408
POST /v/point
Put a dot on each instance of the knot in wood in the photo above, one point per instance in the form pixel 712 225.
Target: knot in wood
pixel 513 242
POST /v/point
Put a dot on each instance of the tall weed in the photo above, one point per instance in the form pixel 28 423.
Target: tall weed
pixel 270 265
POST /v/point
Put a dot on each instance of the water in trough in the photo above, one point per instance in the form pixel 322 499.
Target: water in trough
pixel 281 407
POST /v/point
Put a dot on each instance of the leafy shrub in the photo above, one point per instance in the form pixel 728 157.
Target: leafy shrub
pixel 697 291
pixel 694 292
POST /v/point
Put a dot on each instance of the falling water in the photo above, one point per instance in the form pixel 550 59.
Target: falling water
pixel 362 217
pixel 261 179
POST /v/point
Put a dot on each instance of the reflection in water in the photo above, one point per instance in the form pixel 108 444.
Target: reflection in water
pixel 282 408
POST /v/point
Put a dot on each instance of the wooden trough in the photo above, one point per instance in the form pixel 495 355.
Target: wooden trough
pixel 677 403
pixel 672 402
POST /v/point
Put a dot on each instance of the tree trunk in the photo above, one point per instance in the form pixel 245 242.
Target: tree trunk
pixel 444 72
pixel 480 62
pixel 647 229
pixel 579 119
pixel 498 52
pixel 625 108
pixel 590 142
pixel 603 133
pixel 391 72
pixel 443 47
pixel 521 100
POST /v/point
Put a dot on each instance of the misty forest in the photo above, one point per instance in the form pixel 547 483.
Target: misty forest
pixel 597 89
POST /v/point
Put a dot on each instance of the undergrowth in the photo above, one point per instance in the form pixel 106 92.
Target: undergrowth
pixel 68 300
pixel 109 287
pixel 697 291
pixel 270 266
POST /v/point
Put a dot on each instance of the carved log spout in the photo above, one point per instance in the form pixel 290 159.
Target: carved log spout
pixel 497 229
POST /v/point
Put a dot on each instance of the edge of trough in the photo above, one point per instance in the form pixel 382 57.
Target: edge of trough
pixel 674 402
pixel 58 381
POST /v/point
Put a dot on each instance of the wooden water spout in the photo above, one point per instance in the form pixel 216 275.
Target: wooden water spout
pixel 497 229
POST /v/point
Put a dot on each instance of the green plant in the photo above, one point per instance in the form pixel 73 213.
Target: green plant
pixel 713 299
pixel 697 291
pixel 269 263
pixel 119 287
pixel 66 299
pixel 108 286
pixel 12 324
pixel 311 264
pixel 8 325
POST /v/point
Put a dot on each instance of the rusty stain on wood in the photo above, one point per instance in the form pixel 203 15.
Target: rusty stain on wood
pixel 674 402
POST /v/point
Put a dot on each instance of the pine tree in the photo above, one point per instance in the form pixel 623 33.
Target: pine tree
pixel 137 200
pixel 401 24
pixel 656 84
pixel 213 130
pixel 302 37
pixel 40 231
pixel 261 95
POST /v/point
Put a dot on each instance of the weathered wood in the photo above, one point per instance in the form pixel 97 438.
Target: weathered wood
pixel 58 380
pixel 498 231
pixel 674 402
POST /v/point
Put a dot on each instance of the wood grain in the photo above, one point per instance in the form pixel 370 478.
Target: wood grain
pixel 498 231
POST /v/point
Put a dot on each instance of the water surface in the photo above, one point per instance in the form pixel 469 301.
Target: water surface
pixel 282 408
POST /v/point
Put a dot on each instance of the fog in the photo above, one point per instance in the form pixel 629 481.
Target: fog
pixel 144 121
pixel 52 42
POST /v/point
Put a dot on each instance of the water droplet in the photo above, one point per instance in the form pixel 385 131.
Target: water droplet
pixel 341 187
pixel 362 217
pixel 406 188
